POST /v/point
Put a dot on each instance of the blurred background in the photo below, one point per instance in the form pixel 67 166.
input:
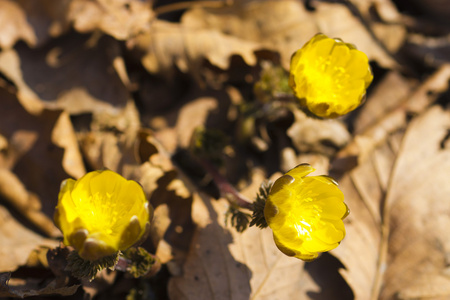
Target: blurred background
pixel 126 84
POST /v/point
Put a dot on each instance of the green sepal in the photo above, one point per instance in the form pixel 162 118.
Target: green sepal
pixel 81 268
pixel 140 262
pixel 239 219
pixel 258 218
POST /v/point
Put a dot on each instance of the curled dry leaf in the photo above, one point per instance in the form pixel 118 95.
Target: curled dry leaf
pixel 398 225
pixel 137 155
pixel 167 44
pixel 290 159
pixel 121 19
pixel 172 227
pixel 284 26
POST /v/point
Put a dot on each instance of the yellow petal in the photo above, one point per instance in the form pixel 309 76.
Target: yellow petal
pixel 300 171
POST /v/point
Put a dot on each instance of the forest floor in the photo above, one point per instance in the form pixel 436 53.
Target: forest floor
pixel 127 84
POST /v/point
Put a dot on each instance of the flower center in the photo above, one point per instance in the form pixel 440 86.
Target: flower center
pixel 304 216
pixel 325 81
pixel 99 213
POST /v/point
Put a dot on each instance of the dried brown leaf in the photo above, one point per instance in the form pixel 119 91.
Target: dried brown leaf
pixel 28 204
pixel 17 242
pixel 398 224
pixel 386 9
pixel 284 26
pixel 42 151
pixel 9 288
pixel 289 159
pixel 383 20
pixel 167 44
pixel 387 95
pixel 111 140
pixel 362 145
pixel 419 187
pixel 121 19
pixel 432 51
pixel 390 36
pixel 73 72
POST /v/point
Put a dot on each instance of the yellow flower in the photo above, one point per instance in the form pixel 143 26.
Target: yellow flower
pixel 102 213
pixel 329 77
pixel 305 213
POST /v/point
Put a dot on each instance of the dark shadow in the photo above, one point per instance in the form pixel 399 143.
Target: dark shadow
pixel 325 273
pixel 32 150
pixel 225 275
pixel 180 231
pixel 74 61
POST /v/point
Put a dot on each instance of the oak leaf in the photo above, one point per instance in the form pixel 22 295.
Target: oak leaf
pixel 397 231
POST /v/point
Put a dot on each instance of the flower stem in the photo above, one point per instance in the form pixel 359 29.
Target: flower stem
pixel 226 189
